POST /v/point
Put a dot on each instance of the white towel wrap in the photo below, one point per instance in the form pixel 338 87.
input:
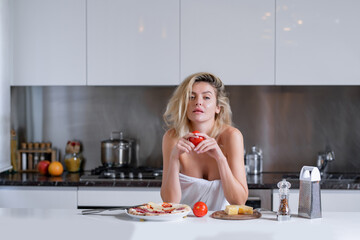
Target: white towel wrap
pixel 197 189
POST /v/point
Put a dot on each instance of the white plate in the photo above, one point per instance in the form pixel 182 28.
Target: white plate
pixel 167 217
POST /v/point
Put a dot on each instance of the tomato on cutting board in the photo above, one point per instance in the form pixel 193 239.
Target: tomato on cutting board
pixel 200 209
pixel 196 140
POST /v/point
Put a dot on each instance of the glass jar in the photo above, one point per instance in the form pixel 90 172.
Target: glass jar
pixel 254 161
pixel 73 162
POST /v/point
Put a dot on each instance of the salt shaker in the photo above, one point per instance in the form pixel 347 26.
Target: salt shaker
pixel 283 214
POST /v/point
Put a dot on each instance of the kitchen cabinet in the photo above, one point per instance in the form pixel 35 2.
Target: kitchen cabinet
pixel 233 39
pixel 317 42
pixel 133 42
pixel 331 200
pixel 117 196
pixel 259 198
pixel 5 85
pixel 161 42
pixel 38 197
pixel 48 42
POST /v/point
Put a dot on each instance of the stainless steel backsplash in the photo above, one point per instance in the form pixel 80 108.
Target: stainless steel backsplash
pixel 290 124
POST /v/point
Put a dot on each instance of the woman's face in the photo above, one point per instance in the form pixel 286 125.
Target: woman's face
pixel 202 103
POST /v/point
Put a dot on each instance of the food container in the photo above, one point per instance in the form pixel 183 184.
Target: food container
pixel 73 158
pixel 254 161
pixel 73 162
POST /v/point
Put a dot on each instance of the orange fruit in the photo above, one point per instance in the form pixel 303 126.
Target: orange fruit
pixel 55 168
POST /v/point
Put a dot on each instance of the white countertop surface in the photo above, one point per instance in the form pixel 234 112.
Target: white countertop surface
pixel 70 224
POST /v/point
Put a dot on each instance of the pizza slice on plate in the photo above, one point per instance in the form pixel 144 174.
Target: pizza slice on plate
pixel 154 209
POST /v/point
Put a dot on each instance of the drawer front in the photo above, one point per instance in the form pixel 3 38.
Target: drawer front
pixel 105 197
pixel 38 197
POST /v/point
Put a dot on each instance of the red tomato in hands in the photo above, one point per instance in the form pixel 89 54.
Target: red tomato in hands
pixel 196 140
pixel 200 209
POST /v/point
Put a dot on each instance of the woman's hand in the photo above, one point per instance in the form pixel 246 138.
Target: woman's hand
pixel 183 145
pixel 209 146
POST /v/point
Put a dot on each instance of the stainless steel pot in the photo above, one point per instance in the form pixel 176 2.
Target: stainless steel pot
pixel 115 151
pixel 122 153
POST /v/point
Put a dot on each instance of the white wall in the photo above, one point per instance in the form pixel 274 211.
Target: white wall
pixel 4 85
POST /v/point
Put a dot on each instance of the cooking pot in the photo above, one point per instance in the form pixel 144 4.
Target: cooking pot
pixel 115 151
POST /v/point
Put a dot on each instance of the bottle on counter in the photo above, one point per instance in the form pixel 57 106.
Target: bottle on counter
pixel 42 154
pixel 36 155
pixel 23 157
pixel 48 148
pixel 283 214
pixel 14 147
pixel 30 157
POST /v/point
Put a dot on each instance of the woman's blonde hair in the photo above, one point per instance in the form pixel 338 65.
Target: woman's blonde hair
pixel 175 115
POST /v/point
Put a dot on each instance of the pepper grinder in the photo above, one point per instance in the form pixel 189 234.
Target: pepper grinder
pixel 283 214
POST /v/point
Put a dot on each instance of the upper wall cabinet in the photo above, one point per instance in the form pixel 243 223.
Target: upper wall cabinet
pixel 133 42
pixel 317 42
pixel 49 45
pixel 233 39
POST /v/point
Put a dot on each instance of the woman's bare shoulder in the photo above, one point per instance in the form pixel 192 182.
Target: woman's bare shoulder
pixel 230 131
pixel 170 135
pixel 230 135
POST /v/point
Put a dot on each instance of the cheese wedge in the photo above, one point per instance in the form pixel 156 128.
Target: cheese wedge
pixel 238 209
pixel 232 209
pixel 243 209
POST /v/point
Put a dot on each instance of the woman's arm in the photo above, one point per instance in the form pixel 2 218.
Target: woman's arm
pixel 172 148
pixel 231 167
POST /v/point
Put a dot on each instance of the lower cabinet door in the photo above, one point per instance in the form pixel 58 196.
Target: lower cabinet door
pixel 111 197
pixel 38 197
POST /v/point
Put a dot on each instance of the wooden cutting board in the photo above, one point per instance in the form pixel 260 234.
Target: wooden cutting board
pixel 222 215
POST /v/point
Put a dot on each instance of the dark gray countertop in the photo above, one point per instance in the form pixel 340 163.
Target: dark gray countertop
pixel 262 181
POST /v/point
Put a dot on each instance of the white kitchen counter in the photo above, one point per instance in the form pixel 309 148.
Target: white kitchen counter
pixel 70 224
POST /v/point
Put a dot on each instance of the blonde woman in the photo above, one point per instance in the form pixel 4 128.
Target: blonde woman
pixel 213 171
